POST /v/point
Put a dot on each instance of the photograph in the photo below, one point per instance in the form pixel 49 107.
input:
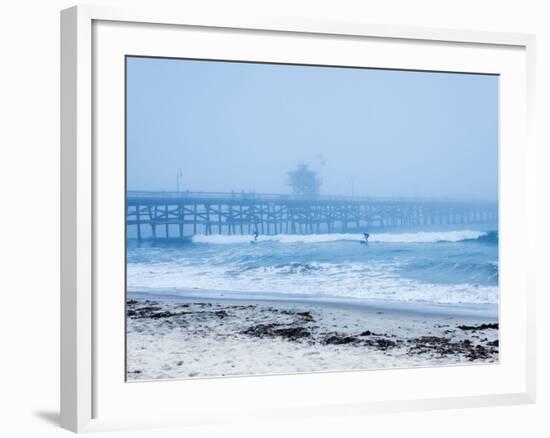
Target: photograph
pixel 297 218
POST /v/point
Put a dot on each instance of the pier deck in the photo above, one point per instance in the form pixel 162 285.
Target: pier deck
pixel 179 214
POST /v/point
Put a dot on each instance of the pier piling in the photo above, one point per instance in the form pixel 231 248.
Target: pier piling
pixel 232 213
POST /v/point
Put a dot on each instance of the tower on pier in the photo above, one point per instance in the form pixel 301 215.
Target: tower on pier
pixel 304 181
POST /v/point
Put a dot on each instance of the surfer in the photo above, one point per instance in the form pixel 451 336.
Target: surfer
pixel 366 239
pixel 255 237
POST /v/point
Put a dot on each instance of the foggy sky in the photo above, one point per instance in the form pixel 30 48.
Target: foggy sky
pixel 240 126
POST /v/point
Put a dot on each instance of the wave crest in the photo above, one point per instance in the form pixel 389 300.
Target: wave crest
pixel 418 237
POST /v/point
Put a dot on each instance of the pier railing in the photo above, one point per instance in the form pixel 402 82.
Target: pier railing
pixel 183 195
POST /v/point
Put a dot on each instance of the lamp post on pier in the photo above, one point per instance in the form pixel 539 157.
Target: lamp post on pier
pixel 178 176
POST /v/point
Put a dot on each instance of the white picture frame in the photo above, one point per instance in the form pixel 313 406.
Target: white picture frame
pixel 94 396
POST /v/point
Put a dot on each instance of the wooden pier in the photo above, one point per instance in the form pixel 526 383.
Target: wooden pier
pixel 180 214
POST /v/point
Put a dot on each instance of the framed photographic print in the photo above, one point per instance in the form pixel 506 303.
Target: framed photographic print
pixel 249 207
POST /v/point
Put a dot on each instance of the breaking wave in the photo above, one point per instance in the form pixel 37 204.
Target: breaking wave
pixel 437 267
pixel 418 237
pixel 378 281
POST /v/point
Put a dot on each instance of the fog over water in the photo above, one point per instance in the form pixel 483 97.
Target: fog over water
pixel 242 126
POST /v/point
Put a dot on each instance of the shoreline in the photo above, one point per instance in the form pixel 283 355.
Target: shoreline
pixel 481 311
pixel 186 337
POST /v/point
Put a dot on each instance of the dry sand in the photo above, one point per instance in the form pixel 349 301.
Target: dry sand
pixel 175 337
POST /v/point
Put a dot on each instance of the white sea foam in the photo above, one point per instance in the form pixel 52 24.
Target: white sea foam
pixel 373 281
pixel 419 237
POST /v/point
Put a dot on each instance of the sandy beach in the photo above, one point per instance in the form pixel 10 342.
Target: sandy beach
pixel 176 337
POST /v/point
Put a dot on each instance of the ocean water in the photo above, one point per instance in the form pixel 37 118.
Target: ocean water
pixel 437 267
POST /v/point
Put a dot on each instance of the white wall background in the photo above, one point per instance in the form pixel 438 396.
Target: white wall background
pixel 29 218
